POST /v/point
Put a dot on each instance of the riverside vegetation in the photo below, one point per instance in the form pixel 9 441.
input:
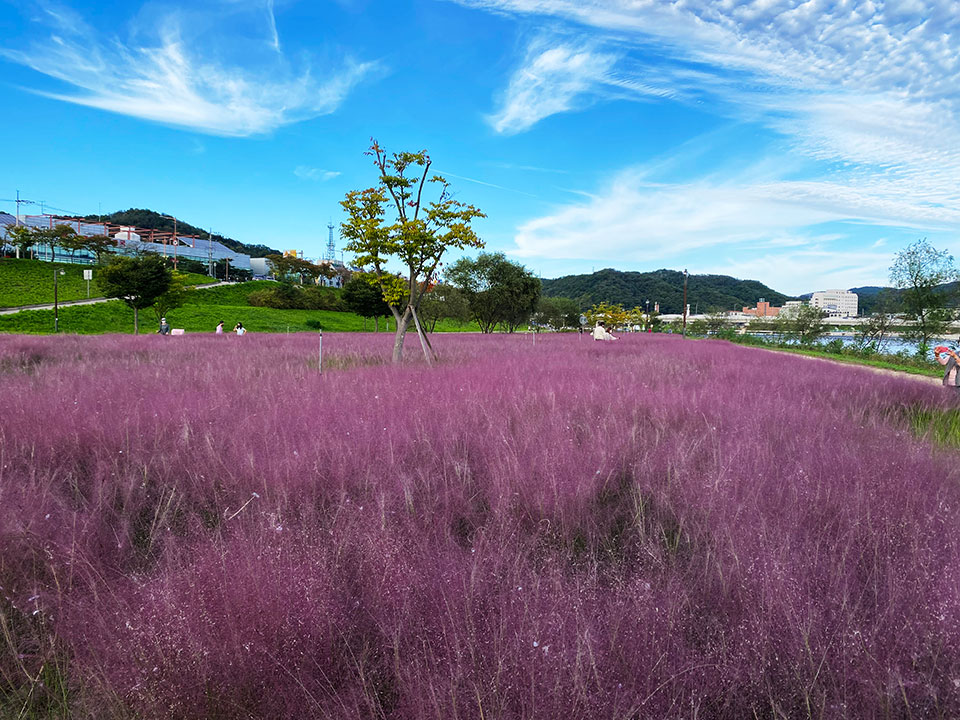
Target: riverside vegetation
pixel 206 526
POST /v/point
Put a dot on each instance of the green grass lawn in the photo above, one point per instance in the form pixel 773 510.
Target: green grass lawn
pixel 30 282
pixel 229 294
pixel 115 317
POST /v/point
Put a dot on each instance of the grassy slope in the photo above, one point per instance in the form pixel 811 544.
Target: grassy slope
pixel 30 282
pixel 201 314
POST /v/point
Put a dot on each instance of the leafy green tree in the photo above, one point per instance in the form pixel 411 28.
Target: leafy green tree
pixel 499 292
pixel 138 281
pixel 175 296
pixel 612 315
pixel 22 238
pixel 72 242
pixel 444 302
pixel 557 312
pixel 99 245
pixel 875 330
pixel 60 235
pixel 803 323
pixel 417 233
pixel 363 297
pixel 716 322
pixel 918 271
pixel 283 267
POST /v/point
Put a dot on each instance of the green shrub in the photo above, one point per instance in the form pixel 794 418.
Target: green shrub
pixel 289 297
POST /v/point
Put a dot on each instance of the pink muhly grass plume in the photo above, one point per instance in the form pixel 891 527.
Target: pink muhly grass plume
pixel 646 529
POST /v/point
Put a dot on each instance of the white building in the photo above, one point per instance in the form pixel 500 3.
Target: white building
pixel 836 303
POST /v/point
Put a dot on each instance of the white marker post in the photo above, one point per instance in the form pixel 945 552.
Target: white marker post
pixel 320 354
pixel 88 276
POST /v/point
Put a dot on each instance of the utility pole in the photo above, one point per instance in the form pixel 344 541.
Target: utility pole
pixel 684 302
pixel 210 252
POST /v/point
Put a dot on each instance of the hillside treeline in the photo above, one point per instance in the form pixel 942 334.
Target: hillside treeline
pixel 631 289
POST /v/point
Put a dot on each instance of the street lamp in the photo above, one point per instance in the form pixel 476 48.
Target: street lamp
pixel 56 308
pixel 175 241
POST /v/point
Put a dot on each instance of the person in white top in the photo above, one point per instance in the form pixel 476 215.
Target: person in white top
pixel 240 329
pixel 600 332
pixel 219 330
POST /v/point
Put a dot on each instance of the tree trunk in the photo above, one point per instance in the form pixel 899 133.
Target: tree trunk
pixel 403 322
pixel 424 343
pixel 376 323
pixel 136 321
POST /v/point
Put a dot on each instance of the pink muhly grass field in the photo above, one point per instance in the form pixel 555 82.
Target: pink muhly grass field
pixel 202 527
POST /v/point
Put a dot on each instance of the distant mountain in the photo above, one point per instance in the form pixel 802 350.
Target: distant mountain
pixel 705 293
pixel 150 220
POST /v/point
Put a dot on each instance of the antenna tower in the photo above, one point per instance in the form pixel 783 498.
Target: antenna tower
pixel 331 253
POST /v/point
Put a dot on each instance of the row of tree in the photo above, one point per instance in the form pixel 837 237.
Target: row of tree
pixel 491 290
pixel 287 267
pixel 24 239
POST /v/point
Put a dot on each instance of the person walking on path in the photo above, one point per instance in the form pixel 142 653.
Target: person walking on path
pixel 164 328
pixel 219 330
pixel 240 329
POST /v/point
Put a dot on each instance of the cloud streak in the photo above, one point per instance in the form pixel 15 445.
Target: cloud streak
pixel 640 222
pixel 316 174
pixel 170 82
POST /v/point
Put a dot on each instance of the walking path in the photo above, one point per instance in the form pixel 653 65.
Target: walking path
pixel 91 301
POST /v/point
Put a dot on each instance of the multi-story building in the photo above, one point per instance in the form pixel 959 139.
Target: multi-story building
pixel 836 303
pixel 763 309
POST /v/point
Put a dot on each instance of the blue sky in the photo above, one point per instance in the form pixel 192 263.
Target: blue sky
pixel 801 144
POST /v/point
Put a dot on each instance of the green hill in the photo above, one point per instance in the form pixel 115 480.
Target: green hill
pixel 632 289
pixel 30 282
pixel 150 220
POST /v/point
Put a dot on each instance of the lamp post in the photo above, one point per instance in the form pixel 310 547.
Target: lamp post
pixel 684 302
pixel 56 307
pixel 210 270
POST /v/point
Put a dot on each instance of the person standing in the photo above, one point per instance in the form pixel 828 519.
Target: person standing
pixel 164 328
pixel 951 365
pixel 240 329
pixel 219 330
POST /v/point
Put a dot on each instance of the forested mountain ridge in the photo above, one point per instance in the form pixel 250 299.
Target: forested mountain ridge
pixel 151 220
pixel 705 293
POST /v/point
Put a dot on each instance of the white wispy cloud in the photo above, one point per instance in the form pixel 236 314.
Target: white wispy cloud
pixel 639 222
pixel 817 267
pixel 171 81
pixel 316 174
pixel 864 44
pixel 551 80
pixel 272 26
pixel 865 95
